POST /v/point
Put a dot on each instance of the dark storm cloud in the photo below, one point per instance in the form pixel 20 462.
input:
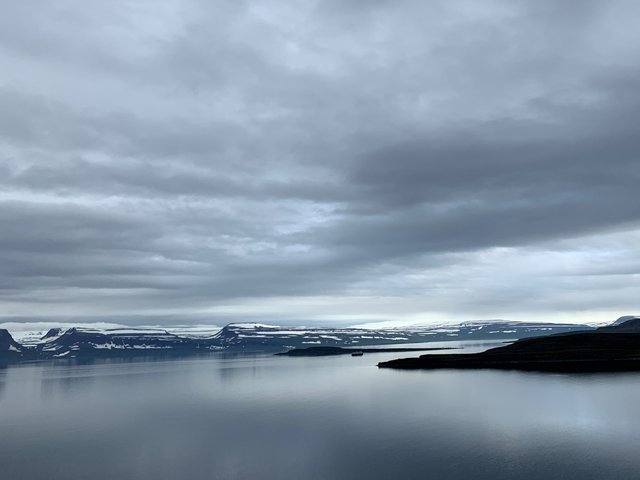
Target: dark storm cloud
pixel 459 157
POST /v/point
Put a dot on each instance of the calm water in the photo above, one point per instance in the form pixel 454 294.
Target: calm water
pixel 266 417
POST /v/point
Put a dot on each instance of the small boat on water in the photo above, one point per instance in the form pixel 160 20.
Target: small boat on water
pixel 357 353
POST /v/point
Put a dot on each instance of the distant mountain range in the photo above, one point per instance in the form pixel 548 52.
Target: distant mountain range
pixel 83 342
pixel 267 337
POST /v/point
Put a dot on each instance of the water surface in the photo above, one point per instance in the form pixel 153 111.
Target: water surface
pixel 267 417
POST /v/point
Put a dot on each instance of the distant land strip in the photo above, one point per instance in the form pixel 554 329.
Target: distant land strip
pixel 328 351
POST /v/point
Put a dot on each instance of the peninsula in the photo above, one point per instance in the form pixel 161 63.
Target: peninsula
pixel 607 349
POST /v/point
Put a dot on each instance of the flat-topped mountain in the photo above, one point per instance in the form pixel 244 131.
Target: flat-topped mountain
pixel 250 336
pixel 94 342
pixel 265 337
pixel 100 342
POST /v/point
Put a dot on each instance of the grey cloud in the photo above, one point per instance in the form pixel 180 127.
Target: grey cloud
pixel 199 154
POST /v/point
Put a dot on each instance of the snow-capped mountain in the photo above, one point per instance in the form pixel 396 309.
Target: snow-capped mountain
pixel 254 337
pixel 260 336
pixel 94 342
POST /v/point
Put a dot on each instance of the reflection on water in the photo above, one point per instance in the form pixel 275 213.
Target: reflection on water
pixel 269 417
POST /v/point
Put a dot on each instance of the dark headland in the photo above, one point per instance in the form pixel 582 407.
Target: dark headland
pixel 614 348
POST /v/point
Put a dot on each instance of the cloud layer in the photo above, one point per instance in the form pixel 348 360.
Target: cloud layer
pixel 320 161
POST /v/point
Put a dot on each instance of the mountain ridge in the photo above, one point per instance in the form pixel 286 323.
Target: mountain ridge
pixel 255 337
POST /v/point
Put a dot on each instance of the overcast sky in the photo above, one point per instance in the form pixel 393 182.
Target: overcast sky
pixel 319 161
